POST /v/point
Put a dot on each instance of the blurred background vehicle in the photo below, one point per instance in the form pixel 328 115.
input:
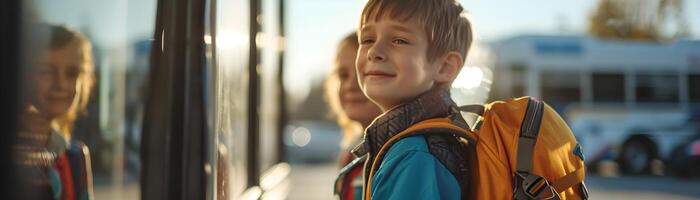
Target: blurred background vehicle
pixel 624 100
pixel 311 142
pixel 685 159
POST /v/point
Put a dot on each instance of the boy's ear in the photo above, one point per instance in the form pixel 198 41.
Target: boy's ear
pixel 449 67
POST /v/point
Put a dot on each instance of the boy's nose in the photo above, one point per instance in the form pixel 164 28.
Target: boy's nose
pixel 376 54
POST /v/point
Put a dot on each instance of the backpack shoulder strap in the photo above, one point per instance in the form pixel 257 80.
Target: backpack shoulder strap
pixel 526 184
pixel 339 186
pixel 532 186
pixel 426 124
pixel 529 130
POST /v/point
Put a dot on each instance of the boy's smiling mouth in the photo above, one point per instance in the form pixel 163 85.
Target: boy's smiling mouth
pixel 377 74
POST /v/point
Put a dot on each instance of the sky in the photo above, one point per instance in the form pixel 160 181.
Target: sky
pixel 108 23
pixel 314 27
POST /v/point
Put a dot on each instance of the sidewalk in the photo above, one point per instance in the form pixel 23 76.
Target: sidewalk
pixel 312 181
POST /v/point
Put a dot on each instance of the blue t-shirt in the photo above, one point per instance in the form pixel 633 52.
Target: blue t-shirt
pixel 409 171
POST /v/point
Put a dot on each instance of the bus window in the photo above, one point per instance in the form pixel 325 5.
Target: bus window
pixel 560 87
pixel 656 88
pixel 248 108
pixel 694 88
pixel 608 87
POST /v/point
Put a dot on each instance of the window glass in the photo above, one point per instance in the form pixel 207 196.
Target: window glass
pixel 608 87
pixel 694 88
pixel 270 46
pixel 559 87
pixel 656 88
pixel 231 95
pixel 83 96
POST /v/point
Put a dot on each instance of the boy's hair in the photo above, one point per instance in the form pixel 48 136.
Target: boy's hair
pixel 443 21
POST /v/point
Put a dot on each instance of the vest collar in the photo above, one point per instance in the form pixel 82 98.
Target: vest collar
pixel 431 104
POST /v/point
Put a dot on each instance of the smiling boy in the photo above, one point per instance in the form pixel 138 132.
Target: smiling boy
pixel 410 52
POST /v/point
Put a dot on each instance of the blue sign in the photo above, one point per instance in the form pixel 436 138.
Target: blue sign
pixel 562 47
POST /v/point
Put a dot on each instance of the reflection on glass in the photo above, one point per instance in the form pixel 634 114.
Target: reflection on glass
pixel 105 80
pixel 57 89
pixel 230 104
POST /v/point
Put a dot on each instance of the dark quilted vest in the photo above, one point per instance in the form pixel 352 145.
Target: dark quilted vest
pixel 452 152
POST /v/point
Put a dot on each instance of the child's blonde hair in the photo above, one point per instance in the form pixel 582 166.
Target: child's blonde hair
pixel 349 128
pixel 61 37
pixel 444 22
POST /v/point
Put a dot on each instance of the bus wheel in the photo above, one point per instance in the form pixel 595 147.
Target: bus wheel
pixel 636 156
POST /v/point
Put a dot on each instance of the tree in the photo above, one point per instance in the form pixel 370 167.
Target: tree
pixel 645 20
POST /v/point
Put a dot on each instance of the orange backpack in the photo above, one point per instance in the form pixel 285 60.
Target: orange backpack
pixel 522 143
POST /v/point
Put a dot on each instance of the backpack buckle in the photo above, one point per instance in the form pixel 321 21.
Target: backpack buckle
pixel 530 186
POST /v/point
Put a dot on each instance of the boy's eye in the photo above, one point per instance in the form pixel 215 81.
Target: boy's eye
pixel 400 41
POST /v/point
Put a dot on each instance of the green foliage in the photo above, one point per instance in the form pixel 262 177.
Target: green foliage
pixel 641 20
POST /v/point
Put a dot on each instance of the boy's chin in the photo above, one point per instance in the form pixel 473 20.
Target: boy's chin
pixel 386 102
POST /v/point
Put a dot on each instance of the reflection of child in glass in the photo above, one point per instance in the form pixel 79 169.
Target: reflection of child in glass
pixel 353 112
pixel 58 88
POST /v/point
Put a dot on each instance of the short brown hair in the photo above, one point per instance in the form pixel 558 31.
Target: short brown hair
pixel 443 21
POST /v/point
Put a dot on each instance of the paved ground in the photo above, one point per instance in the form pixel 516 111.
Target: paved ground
pixel 314 182
pixel 128 191
pixel 642 188
pixel 311 182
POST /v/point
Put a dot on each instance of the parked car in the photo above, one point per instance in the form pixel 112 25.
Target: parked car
pixel 685 159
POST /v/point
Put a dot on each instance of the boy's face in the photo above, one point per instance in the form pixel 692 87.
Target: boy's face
pixel 392 63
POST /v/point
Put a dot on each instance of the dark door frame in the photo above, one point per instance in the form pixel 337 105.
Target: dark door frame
pixel 11 23
pixel 174 137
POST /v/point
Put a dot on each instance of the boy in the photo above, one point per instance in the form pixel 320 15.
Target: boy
pixel 410 52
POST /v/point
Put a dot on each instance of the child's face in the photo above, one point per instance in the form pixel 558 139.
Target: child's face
pixel 54 80
pixel 355 104
pixel 392 63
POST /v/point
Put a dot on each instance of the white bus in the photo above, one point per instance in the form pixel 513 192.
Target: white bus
pixel 626 101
